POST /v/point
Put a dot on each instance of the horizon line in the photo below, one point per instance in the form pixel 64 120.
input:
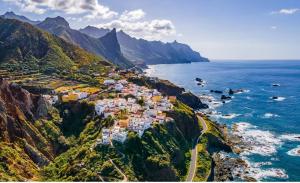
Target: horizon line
pixel 254 59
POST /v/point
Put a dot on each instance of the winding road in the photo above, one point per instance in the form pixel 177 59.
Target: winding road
pixel 125 179
pixel 193 164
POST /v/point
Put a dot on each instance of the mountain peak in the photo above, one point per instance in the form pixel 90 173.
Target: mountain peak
pixel 58 21
pixel 12 15
pixel 94 31
pixel 9 13
pixel 112 35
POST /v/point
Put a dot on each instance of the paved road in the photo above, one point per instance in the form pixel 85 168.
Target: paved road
pixel 125 179
pixel 193 164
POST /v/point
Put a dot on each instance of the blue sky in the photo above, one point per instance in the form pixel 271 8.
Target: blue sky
pixel 218 29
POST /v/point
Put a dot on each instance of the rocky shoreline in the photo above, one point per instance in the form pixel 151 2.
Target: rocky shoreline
pixel 228 166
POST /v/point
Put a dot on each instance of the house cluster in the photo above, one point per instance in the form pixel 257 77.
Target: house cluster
pixel 74 96
pixel 137 112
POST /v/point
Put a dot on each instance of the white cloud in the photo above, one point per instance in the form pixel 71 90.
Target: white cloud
pixel 91 8
pixel 273 27
pixel 286 11
pixel 151 30
pixel 132 15
pixel 131 22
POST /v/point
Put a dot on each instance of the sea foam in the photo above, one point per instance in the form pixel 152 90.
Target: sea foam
pixel 290 137
pixel 257 141
pixel 279 99
pixel 270 115
pixel 294 152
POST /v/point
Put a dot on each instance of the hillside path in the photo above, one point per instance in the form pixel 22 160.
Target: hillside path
pixel 125 179
pixel 193 164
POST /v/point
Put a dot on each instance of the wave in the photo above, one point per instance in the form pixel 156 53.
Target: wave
pixel 249 98
pixel 259 171
pixel 270 115
pixel 294 152
pixel 290 137
pixel 230 116
pixel 256 141
pixel 260 174
pixel 242 91
pixel 279 99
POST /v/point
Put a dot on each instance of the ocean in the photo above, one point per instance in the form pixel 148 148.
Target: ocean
pixel 270 126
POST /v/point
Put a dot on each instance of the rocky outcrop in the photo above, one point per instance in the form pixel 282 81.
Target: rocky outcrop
pixel 25 125
pixel 215 144
pixel 106 46
pixel 225 165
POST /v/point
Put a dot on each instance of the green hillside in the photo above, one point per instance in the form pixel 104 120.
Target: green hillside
pixel 22 46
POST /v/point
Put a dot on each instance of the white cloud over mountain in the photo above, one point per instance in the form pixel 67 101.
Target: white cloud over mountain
pixel 132 15
pixel 132 22
pixel 91 8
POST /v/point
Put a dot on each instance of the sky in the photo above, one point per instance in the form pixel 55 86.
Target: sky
pixel 218 29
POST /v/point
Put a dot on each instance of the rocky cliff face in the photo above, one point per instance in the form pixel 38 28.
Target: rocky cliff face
pixel 157 52
pixel 143 52
pixel 108 46
pixel 25 128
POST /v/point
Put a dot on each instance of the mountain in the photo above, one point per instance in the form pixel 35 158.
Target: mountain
pixel 141 51
pixel 103 47
pixel 22 45
pixel 157 52
pixel 94 31
pixel 12 15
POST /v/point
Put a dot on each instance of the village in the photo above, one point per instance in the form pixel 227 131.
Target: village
pixel 133 108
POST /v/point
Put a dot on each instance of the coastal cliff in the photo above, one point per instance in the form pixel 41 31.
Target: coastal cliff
pixel 168 88
pixel 30 124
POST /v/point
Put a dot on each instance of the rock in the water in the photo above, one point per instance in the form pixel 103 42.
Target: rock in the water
pixel 216 91
pixel 224 97
pixel 199 80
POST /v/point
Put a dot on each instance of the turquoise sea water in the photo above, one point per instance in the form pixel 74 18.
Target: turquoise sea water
pixel 271 127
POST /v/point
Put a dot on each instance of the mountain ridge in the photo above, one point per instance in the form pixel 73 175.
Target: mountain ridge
pixel 151 52
pixel 60 27
pixel 12 15
pixel 130 52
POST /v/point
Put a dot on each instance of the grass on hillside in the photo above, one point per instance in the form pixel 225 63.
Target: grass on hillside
pixel 204 161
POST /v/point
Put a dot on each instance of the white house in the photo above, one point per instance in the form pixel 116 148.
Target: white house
pixel 120 137
pixel 123 82
pixel 100 107
pixel 119 87
pixel 109 82
pixel 105 139
pixel 82 95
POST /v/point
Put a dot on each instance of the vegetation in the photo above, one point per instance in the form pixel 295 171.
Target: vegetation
pixel 15 165
pixel 203 162
pixel 211 141
pixel 24 47
pixel 161 154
